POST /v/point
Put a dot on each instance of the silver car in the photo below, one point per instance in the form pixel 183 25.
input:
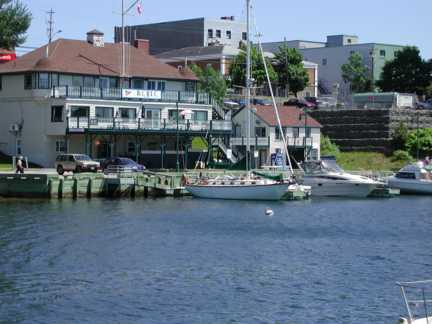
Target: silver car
pixel 75 163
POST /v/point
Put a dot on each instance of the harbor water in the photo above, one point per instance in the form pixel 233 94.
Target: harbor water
pixel 189 261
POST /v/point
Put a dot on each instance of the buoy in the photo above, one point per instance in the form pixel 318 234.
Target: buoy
pixel 269 212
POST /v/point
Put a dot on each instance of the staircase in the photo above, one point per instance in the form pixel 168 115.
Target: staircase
pixel 222 146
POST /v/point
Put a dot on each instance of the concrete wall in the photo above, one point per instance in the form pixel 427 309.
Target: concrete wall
pixel 236 28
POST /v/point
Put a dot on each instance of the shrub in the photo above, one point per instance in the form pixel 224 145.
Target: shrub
pixel 401 156
pixel 424 142
pixel 399 137
pixel 328 148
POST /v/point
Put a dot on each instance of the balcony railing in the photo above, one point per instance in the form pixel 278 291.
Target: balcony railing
pixel 82 123
pixel 253 141
pixel 117 94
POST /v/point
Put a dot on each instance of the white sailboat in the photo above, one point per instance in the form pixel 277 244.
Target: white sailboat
pixel 248 187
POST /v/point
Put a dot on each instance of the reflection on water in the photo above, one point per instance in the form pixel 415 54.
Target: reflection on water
pixel 201 261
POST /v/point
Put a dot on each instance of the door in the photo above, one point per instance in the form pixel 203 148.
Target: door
pixel 153 117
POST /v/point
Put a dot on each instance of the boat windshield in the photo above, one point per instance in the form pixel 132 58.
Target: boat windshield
pixel 315 167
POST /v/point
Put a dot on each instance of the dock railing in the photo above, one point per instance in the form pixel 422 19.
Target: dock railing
pixel 415 295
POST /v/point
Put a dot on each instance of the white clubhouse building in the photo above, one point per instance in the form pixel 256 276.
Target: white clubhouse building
pixel 76 96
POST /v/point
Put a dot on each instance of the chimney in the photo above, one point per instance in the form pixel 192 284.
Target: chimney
pixel 96 38
pixel 143 44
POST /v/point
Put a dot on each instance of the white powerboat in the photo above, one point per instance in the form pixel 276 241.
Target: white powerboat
pixel 413 178
pixel 247 188
pixel 415 295
pixel 327 179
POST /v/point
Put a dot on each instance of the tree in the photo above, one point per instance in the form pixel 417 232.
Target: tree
pixel 424 142
pixel 15 19
pixel 356 74
pixel 399 137
pixel 211 82
pixel 290 70
pixel 408 72
pixel 238 68
pixel 328 147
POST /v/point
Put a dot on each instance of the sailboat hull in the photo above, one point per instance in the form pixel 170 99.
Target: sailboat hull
pixel 240 192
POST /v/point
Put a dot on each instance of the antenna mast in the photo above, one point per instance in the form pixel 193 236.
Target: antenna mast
pixel 50 28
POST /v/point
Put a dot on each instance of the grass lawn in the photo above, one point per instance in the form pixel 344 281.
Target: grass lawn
pixel 199 143
pixel 5 166
pixel 358 161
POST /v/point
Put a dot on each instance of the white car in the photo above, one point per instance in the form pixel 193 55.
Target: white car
pixel 75 163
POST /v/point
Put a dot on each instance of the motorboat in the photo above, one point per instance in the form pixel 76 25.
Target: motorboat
pixel 327 178
pixel 413 178
pixel 415 295
pixel 238 188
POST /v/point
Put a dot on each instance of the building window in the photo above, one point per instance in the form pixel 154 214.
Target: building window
pixel 77 81
pixel 104 112
pixel 28 81
pixel 137 84
pixel 228 34
pixel 349 40
pixel 54 79
pixel 56 114
pixel 65 80
pixel 190 86
pixel 200 115
pixel 278 135
pixel 260 131
pixel 89 81
pixel 244 36
pixel 151 85
pixel 210 33
pixel 172 115
pixel 79 111
pixel 296 132
pixel 128 113
pixel 43 80
pixel 218 33
pixel 161 85
pixel 308 132
pixel 324 61
pixel 131 148
pixel 60 146
pixel 382 53
pixel 151 113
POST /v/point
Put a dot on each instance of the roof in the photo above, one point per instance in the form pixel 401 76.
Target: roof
pixel 95 32
pixel 290 116
pixel 200 51
pixel 81 57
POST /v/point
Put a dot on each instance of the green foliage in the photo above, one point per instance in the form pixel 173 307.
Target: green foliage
pixel 400 137
pixel 238 68
pixel 15 19
pixel 199 144
pixel 401 155
pixel 424 142
pixel 290 70
pixel 211 82
pixel 408 72
pixel 329 148
pixel 356 74
pixel 369 161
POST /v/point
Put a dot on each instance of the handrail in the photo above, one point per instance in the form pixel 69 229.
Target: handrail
pixel 117 94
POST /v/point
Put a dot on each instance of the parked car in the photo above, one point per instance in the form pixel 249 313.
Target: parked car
pixel 326 101
pixel 301 103
pixel 424 105
pixel 122 164
pixel 75 163
pixel 311 99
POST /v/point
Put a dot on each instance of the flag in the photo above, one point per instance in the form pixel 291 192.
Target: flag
pixel 139 8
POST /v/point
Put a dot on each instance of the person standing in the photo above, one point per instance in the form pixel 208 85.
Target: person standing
pixel 19 166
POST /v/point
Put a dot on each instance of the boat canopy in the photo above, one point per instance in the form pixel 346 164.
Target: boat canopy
pixel 321 166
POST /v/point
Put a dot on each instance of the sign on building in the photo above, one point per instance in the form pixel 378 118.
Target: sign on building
pixel 142 94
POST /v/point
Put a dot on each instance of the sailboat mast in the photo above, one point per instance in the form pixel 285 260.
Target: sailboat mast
pixel 248 84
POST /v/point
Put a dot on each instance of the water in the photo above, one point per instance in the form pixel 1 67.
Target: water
pixel 201 261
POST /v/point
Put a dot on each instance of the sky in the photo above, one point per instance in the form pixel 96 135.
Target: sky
pixel 399 22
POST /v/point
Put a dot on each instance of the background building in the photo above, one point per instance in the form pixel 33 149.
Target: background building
pixel 331 55
pixel 166 36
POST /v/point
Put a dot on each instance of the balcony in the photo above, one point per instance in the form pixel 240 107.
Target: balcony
pixel 120 94
pixel 119 125
pixel 253 141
